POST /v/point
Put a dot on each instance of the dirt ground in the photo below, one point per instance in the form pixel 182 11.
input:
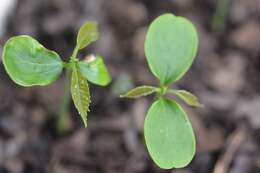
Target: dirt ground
pixel 225 76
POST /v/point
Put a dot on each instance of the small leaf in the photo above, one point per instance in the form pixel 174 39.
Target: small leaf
pixel 140 91
pixel 187 97
pixel 28 63
pixel 95 70
pixel 80 93
pixel 88 33
pixel 170 47
pixel 168 135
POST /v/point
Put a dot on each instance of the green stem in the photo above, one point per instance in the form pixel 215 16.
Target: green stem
pixel 63 122
pixel 161 91
pixel 74 54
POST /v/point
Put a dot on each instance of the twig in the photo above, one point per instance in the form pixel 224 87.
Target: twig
pixel 234 142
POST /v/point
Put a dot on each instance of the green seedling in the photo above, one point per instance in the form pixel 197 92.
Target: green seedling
pixel 28 63
pixel 170 48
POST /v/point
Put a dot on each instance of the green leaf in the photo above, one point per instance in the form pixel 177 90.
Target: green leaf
pixel 88 33
pixel 187 97
pixel 168 135
pixel 140 91
pixel 95 70
pixel 80 93
pixel 170 47
pixel 28 63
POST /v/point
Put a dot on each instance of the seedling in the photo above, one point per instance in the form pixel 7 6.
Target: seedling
pixel 170 48
pixel 28 63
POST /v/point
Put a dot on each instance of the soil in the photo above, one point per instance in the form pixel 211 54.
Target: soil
pixel 225 76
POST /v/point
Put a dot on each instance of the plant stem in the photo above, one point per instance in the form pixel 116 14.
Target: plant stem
pixel 63 122
pixel 74 54
pixel 161 91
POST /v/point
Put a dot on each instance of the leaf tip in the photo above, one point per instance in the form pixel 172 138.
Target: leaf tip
pixel 85 124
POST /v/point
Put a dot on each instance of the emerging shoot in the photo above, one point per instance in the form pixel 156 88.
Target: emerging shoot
pixel 170 48
pixel 28 63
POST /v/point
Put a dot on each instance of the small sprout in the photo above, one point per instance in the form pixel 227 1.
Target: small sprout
pixel 28 63
pixel 187 97
pixel 170 48
pixel 140 92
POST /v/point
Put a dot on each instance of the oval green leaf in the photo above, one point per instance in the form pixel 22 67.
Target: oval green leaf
pixel 94 69
pixel 28 63
pixel 140 92
pixel 170 47
pixel 80 93
pixel 88 33
pixel 168 135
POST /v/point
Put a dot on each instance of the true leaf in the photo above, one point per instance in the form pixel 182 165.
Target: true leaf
pixel 168 134
pixel 28 63
pixel 187 97
pixel 170 47
pixel 88 33
pixel 140 91
pixel 95 70
pixel 80 92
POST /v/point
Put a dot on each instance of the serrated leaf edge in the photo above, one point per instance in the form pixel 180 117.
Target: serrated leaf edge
pixel 79 108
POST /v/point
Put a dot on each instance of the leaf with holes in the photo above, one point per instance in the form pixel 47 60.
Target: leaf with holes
pixel 80 92
pixel 140 91
pixel 28 63
pixel 168 135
